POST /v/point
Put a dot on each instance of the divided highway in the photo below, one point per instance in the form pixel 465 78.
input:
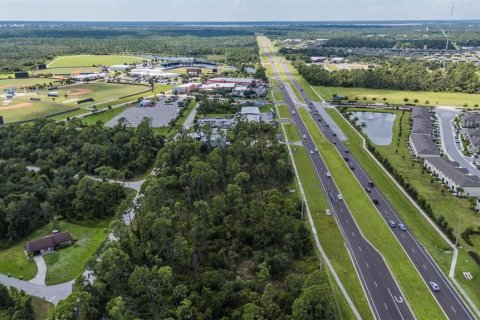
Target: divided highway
pixel 450 301
pixel 382 291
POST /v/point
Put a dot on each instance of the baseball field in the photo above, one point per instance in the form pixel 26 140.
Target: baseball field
pixel 34 105
pixel 91 60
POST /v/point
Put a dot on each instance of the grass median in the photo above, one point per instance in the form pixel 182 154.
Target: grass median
pixel 454 209
pixel 375 229
pixel 329 233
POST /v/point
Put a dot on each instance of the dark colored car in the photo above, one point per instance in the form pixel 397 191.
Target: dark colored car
pixel 375 201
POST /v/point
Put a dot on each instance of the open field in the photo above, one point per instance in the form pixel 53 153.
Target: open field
pixel 32 111
pixel 66 264
pixel 375 229
pixel 91 60
pixel 20 83
pixel 66 71
pixel 397 96
pixel 455 210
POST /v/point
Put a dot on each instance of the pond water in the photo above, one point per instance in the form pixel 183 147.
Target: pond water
pixel 379 126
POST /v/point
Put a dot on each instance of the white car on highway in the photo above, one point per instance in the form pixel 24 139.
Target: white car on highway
pixel 339 197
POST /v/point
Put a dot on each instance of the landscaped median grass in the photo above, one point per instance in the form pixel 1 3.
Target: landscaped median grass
pixel 284 112
pixel 328 232
pixel 416 222
pixel 292 132
pixel 375 229
pixel 455 210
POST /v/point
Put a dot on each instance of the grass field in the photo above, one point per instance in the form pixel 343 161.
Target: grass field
pixel 42 309
pixel 455 210
pixel 284 112
pixel 397 96
pixel 20 83
pixel 105 116
pixel 67 71
pixel 375 229
pixel 91 60
pixel 22 108
pixel 66 264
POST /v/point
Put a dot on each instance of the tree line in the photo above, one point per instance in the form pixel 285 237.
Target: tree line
pixel 216 236
pixel 15 304
pixel 398 74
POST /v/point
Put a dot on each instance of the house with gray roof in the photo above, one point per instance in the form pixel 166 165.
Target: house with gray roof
pixel 453 176
pixel 423 146
pixel 420 113
pixel 471 120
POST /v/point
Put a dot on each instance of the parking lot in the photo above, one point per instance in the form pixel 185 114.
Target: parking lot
pixel 161 113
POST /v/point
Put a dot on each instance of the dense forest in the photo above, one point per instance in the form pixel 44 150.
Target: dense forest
pixel 23 48
pixel 15 304
pixel 400 74
pixel 217 235
pixel 48 144
pixel 62 152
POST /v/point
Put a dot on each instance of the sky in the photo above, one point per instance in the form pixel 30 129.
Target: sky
pixel 236 10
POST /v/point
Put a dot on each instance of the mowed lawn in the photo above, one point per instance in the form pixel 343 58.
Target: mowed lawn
pixel 20 83
pixel 64 265
pixel 36 110
pixel 375 228
pixel 68 263
pixel 92 60
pixel 397 96
pixel 284 112
pixel 67 71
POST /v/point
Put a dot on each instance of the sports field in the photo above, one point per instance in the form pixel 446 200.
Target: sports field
pixel 91 60
pixel 20 83
pixel 67 71
pixel 22 108
pixel 397 96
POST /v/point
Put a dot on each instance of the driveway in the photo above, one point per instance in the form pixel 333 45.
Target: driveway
pixel 41 270
pixel 53 294
pixel 450 147
pixel 191 117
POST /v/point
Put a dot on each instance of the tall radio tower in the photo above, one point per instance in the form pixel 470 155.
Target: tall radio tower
pixel 448 32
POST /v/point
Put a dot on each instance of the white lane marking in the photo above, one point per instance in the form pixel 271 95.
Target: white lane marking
pixel 385 305
pixel 453 309
pixel 396 301
pixel 367 265
pixel 403 236
pixel 359 248
pixel 52 298
pixel 346 220
pixel 376 285
pixel 424 267
pixel 353 234
pixel 413 250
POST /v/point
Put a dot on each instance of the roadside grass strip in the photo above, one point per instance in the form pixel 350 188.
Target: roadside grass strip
pixel 445 204
pixel 328 232
pixel 375 229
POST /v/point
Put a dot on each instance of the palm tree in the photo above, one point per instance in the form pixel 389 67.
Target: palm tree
pixel 460 190
pixel 405 99
pixel 427 102
pixel 415 101
pixel 363 125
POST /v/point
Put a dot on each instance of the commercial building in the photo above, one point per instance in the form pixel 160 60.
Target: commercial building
pixel 237 81
pixel 222 123
pixel 120 68
pixel 217 137
pixel 212 87
pixel 21 75
pixel 186 88
pixel 453 176
pixel 317 59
